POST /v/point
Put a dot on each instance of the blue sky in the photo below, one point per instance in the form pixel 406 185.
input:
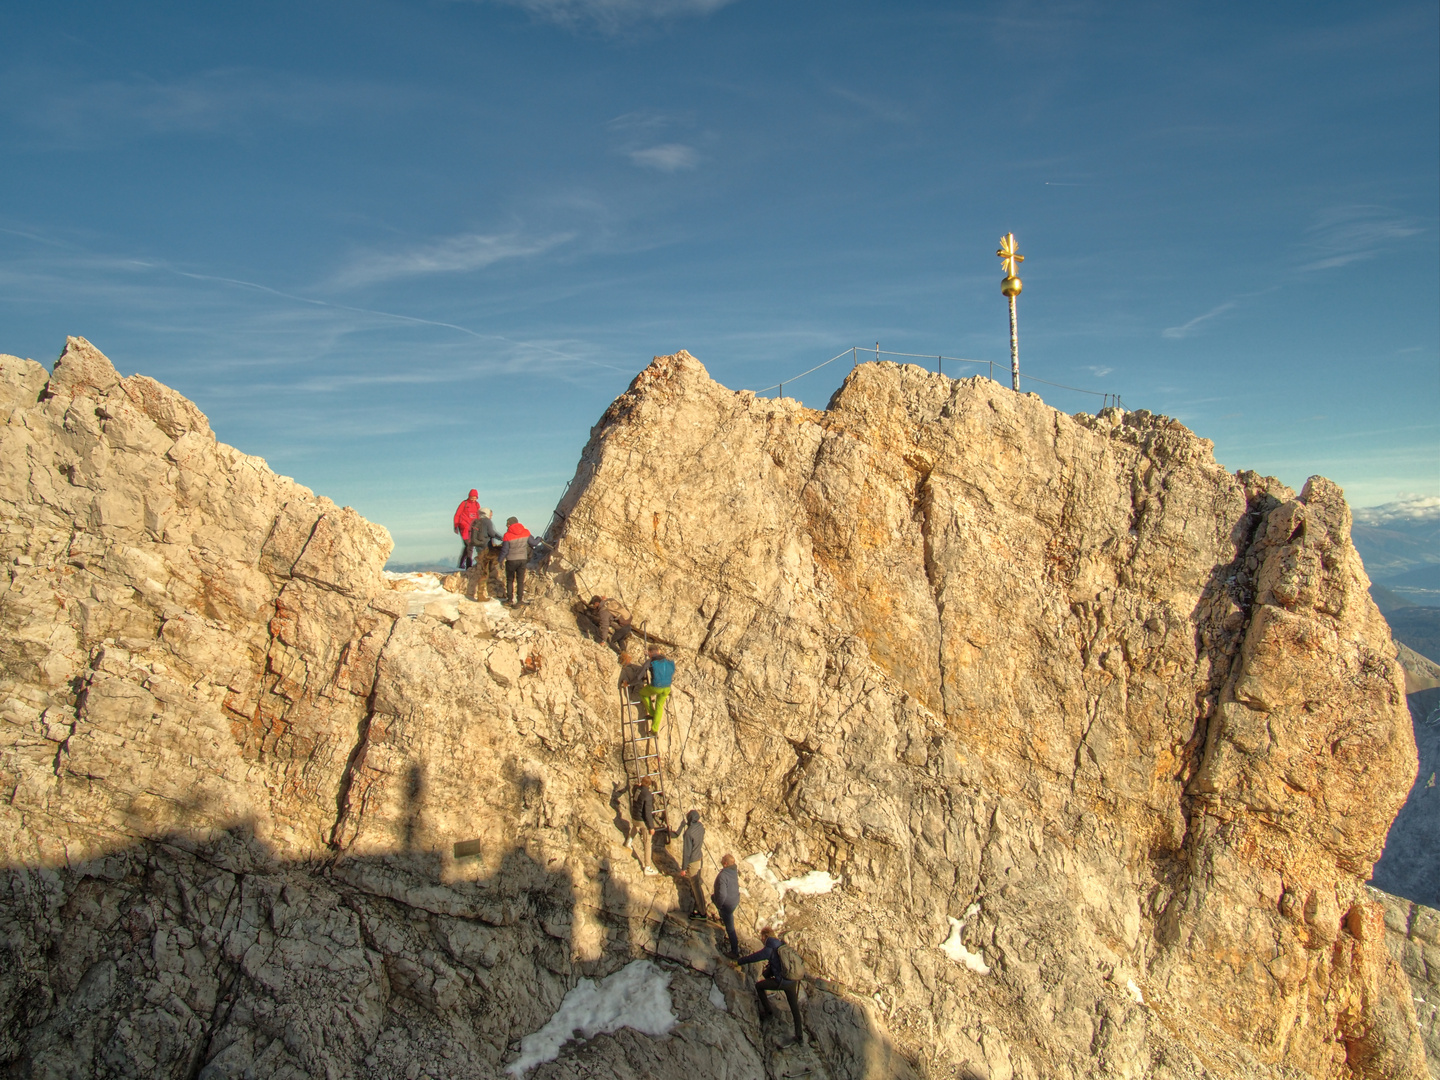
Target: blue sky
pixel 403 249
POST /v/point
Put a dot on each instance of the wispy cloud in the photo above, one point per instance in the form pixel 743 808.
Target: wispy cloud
pixel 454 254
pixel 1347 234
pixel 1184 330
pixel 220 101
pixel 612 15
pixel 639 136
pixel 667 157
pixel 1098 370
pixel 649 122
pixel 874 106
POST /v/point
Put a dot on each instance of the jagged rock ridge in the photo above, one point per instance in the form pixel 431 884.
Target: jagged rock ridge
pixel 958 649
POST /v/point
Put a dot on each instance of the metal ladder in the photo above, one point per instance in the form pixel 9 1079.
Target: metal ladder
pixel 640 752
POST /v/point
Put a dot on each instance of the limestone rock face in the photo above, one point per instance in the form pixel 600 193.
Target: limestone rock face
pixel 972 651
pixel 1413 933
pixel 1122 730
pixel 187 635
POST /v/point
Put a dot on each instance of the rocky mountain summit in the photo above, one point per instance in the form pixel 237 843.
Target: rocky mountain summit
pixel 1099 741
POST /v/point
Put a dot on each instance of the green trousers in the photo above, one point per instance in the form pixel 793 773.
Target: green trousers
pixel 654 698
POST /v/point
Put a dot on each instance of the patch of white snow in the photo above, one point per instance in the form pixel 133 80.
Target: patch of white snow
pixel 1135 991
pixel 717 998
pixel 815 883
pixel 637 996
pixel 954 947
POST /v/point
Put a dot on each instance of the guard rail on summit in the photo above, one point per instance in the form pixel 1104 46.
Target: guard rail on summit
pixel 1107 399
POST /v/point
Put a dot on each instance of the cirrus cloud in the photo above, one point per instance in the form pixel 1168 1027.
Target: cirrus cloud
pixel 1347 234
pixel 668 157
pixel 1184 330
pixel 454 254
pixel 611 15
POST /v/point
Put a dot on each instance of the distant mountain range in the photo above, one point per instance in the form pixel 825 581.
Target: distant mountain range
pixel 1400 545
pixel 1398 539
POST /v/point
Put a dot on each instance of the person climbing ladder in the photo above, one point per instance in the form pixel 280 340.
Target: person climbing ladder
pixel 658 674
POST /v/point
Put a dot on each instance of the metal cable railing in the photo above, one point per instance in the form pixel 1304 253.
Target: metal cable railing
pixel 1106 397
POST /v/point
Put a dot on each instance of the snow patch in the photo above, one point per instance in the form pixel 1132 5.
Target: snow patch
pixel 637 996
pixel 814 883
pixel 1135 991
pixel 717 998
pixel 423 587
pixel 955 949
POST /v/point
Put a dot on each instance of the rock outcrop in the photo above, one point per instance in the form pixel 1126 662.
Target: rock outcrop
pixel 1413 934
pixel 1122 727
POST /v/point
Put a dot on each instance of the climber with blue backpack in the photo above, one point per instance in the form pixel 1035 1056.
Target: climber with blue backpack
pixel 659 672
pixel 783 971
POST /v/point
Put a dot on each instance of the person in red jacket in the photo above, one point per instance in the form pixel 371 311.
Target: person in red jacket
pixel 517 546
pixel 465 513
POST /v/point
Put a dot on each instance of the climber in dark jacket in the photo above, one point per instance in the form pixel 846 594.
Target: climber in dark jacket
pixel 691 854
pixel 485 544
pixel 775 980
pixel 726 897
pixel 642 822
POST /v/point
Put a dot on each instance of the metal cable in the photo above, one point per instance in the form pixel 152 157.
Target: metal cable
pixel 1062 386
pixel 878 352
pixel 802 374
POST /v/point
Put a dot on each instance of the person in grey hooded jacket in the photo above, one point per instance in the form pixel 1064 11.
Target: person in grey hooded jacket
pixel 726 896
pixel 691 854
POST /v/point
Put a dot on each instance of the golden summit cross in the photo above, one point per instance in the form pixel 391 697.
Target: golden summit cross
pixel 1010 288
pixel 1008 253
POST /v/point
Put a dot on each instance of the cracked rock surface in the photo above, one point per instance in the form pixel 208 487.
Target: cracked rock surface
pixel 1131 720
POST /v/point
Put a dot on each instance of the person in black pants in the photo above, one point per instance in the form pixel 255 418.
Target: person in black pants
pixel 775 980
pixel 516 547
pixel 726 897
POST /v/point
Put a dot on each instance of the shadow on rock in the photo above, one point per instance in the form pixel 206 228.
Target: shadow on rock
pixel 185 956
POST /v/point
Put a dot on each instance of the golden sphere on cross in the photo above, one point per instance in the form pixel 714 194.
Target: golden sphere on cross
pixel 1010 286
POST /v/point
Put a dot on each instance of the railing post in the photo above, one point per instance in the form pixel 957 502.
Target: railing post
pixel 940 365
pixel 877 352
pixel 854 357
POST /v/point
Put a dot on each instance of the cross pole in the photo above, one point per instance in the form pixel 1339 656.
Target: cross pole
pixel 1010 288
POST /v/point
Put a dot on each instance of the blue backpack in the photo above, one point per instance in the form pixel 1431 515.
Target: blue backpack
pixel 661 671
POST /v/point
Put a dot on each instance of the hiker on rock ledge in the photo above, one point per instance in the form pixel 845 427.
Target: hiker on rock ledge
pixel 783 971
pixel 691 853
pixel 604 613
pixel 485 539
pixel 465 514
pixel 726 897
pixel 642 822
pixel 518 545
